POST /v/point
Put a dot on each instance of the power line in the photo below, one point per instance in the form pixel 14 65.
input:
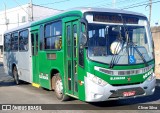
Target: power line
pixel 135 4
pixel 94 3
pixel 111 3
pixel 117 3
pixel 55 2
pixel 139 5
pixel 13 23
pixel 20 6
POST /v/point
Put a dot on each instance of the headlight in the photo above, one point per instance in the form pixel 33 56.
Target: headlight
pixel 96 79
pixel 151 77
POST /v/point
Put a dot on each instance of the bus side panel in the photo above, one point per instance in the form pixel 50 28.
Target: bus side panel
pixel 34 54
pixel 40 63
pixel 30 57
pixel 8 59
pixel 24 64
pixel 47 65
pixel 82 74
pixel 44 70
pixel 22 60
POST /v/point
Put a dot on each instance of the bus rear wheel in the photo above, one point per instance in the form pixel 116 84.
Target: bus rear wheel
pixel 15 75
pixel 58 84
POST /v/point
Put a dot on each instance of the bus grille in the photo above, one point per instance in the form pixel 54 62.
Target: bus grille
pixel 126 84
pixel 124 72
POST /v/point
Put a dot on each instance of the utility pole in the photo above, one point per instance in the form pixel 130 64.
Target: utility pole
pixel 31 11
pixel 18 18
pixel 114 3
pixel 150 10
pixel 5 16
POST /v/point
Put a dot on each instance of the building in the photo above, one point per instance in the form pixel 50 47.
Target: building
pixel 156 38
pixel 17 16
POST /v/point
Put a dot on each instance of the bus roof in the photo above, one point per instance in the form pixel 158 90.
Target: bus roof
pixel 19 27
pixel 93 9
pixel 80 9
pixel 87 9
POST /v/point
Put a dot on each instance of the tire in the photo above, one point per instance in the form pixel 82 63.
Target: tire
pixel 15 75
pixel 58 87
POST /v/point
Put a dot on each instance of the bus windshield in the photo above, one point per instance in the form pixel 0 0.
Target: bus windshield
pixel 121 42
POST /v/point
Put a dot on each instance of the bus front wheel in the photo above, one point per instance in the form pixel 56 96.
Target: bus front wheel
pixel 15 75
pixel 59 88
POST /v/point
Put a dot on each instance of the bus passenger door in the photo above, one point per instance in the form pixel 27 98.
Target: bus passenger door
pixel 72 57
pixel 34 40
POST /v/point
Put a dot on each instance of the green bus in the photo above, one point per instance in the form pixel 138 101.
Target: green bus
pixel 91 54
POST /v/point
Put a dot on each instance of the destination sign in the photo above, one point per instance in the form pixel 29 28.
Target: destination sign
pixel 115 19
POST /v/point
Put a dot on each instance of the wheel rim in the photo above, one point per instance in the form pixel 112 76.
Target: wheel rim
pixel 59 88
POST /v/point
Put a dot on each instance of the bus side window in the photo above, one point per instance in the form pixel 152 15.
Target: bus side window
pixel 23 40
pixel 53 36
pixel 7 42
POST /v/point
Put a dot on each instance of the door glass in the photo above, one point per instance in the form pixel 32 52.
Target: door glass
pixel 32 41
pixel 36 52
pixel 75 76
pixel 69 52
pixel 69 74
pixel 75 38
pixel 72 57
pixel 69 41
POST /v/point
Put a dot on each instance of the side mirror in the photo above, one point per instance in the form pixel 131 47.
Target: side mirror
pixel 83 34
pixel 116 29
pixel 83 38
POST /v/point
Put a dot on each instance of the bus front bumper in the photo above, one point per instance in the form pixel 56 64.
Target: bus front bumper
pixel 95 92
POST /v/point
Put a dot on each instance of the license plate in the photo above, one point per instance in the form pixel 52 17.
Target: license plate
pixel 130 93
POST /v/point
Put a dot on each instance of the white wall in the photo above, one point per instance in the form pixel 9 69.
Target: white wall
pixel 41 12
pixel 15 16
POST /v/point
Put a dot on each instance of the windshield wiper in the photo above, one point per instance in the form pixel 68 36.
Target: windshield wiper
pixel 129 45
pixel 114 57
pixel 142 57
pixel 111 65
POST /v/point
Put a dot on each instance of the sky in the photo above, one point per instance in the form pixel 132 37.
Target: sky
pixel 119 4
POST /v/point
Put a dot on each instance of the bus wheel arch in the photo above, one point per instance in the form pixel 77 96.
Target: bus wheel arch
pixel 59 89
pixel 53 75
pixel 15 74
pixel 56 82
pixel 13 65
